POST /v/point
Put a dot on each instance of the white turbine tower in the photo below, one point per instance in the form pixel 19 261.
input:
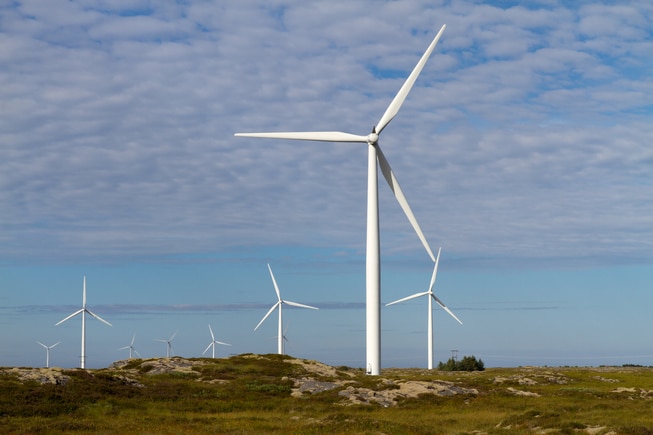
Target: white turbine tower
pixel 373 267
pixel 47 352
pixel 279 304
pixel 168 344
pixel 432 297
pixel 83 311
pixel 131 347
pixel 213 343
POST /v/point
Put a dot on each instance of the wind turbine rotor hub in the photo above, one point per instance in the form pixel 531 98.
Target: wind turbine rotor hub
pixel 372 138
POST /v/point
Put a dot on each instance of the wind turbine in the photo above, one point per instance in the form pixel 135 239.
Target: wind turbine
pixel 131 347
pixel 83 311
pixel 373 267
pixel 213 343
pixel 168 344
pixel 432 297
pixel 279 304
pixel 47 352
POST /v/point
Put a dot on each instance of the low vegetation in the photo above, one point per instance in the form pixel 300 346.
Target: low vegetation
pixel 279 394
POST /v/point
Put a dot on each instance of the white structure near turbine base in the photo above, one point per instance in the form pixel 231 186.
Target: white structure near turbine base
pixel 279 304
pixel 373 267
pixel 83 312
pixel 431 297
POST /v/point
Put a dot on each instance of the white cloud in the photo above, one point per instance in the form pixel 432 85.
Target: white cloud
pixel 525 135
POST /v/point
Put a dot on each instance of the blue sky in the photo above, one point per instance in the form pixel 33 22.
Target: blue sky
pixel 524 151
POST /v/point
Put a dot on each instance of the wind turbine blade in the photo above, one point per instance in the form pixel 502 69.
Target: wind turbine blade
pixel 219 342
pixel 84 294
pixel 267 314
pixel 398 100
pixel 173 336
pixel 407 298
pixel 435 270
pixel 323 136
pixel 136 352
pixel 98 317
pixel 207 348
pixel 444 307
pixel 42 344
pixel 401 198
pixel 274 281
pixel 69 317
pixel 212 336
pixel 126 347
pixel 55 344
pixel 295 304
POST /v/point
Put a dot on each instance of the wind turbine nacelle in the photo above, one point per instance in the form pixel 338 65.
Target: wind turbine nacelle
pixel 372 138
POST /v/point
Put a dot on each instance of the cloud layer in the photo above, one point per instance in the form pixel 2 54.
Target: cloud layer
pixel 527 135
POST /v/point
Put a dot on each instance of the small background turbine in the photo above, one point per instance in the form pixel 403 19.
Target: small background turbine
pixel 431 297
pixel 131 347
pixel 213 343
pixel 168 342
pixel 47 352
pixel 83 312
pixel 279 304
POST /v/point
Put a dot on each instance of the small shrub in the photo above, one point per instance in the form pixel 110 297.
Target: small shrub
pixel 145 368
pixel 272 389
pixel 467 364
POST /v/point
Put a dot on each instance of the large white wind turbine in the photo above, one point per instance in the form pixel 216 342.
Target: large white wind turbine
pixel 432 297
pixel 168 344
pixel 47 352
pixel 83 311
pixel 213 343
pixel 279 304
pixel 131 347
pixel 373 268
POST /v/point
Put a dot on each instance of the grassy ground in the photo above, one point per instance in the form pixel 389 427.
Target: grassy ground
pixel 250 394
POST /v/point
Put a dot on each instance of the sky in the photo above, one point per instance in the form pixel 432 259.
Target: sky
pixel 524 150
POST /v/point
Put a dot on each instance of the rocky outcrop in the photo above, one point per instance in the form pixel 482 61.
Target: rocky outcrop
pixel 397 390
pixel 159 366
pixel 41 375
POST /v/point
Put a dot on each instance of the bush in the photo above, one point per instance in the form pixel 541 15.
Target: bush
pixel 467 364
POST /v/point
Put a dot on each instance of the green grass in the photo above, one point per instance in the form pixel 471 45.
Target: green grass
pixel 251 394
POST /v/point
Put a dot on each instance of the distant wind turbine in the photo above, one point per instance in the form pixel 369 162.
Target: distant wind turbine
pixel 168 344
pixel 47 352
pixel 213 343
pixel 373 266
pixel 279 304
pixel 285 336
pixel 131 347
pixel 83 311
pixel 431 297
